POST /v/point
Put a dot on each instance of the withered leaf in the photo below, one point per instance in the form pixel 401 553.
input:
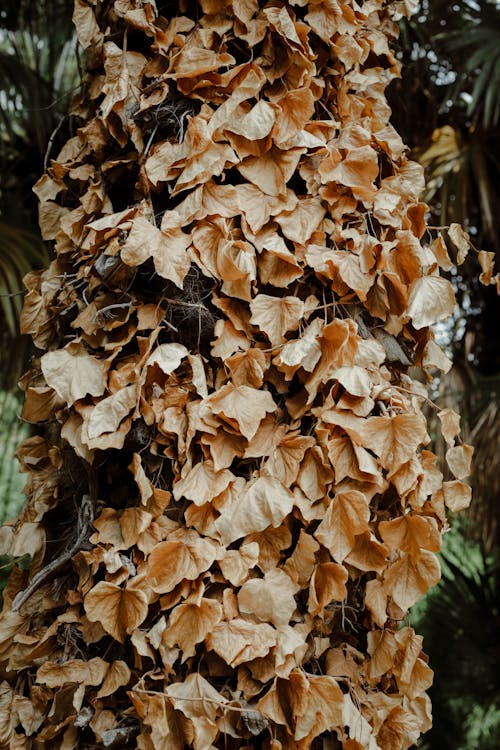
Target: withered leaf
pixel 119 610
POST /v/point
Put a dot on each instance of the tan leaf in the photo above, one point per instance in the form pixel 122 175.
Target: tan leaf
pixel 347 515
pixel 457 495
pixel 409 578
pixel 434 356
pixel 236 563
pixel 305 706
pixel 275 316
pixel 393 439
pixel 195 697
pixel 117 676
pixel 327 585
pixel 242 407
pixel 411 533
pixel 248 368
pixel 361 734
pixel 368 553
pixel 73 373
pixel 358 171
pixel 190 623
pixel 450 425
pixel 173 561
pixel 263 503
pixel 90 672
pixel 376 601
pixel 255 123
pixel 270 598
pixel 202 483
pixel 487 263
pixel 271 171
pixel 461 240
pixel 302 352
pixel 431 299
pixel 109 412
pixel 286 458
pixel 167 247
pixel 119 610
pixel 239 641
pixel 459 460
pixel 314 475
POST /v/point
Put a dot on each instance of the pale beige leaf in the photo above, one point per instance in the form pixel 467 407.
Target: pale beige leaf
pixel 461 240
pixel 119 610
pixel 90 672
pixel 431 299
pixel 263 503
pixel 450 425
pixel 275 316
pixel 190 623
pixel 239 640
pixel 459 460
pixel 109 412
pixel 168 357
pixel 117 676
pixel 73 373
pixel 457 495
pixel 270 598
pixel 242 407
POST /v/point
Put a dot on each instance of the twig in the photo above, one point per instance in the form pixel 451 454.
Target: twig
pixel 85 518
pixel 51 142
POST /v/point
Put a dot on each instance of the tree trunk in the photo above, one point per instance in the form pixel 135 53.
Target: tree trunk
pixel 230 510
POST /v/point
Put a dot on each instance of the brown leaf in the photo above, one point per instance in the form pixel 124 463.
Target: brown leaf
pixel 275 316
pixel 347 515
pixel 459 460
pixel 73 373
pixel 239 640
pixel 90 672
pixel 263 503
pixel 190 623
pixel 117 676
pixel 270 598
pixel 173 561
pixel 327 585
pixel 242 407
pixel 409 578
pixel 119 610
pixel 431 299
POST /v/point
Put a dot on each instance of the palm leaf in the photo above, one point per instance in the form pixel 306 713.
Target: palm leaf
pixel 20 251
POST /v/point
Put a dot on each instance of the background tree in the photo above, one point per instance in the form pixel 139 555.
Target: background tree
pixel 38 75
pixel 447 104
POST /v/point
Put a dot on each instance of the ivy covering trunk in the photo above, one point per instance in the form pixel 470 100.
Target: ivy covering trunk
pixel 230 502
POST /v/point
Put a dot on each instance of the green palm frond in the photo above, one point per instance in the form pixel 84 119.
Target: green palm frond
pixel 460 628
pixel 20 251
pixel 476 51
pixel 461 171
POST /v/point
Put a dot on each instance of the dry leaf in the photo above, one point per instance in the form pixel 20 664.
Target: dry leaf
pixel 119 610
